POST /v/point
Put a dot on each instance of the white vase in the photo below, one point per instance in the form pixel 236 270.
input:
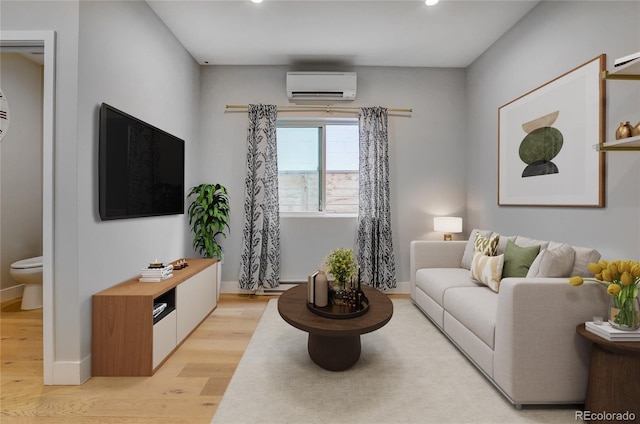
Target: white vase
pixel 321 290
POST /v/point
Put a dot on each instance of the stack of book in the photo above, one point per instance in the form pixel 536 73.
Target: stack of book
pixel 607 332
pixel 158 308
pixel 154 275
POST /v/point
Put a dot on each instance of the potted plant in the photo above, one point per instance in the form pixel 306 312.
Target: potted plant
pixel 342 265
pixel 209 217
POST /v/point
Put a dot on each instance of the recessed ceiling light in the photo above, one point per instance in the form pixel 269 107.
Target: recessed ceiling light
pixel 256 1
pixel 431 2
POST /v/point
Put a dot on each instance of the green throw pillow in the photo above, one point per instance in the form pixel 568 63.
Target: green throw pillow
pixel 517 260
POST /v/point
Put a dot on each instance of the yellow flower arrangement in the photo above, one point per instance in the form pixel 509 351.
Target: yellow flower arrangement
pixel 341 264
pixel 622 280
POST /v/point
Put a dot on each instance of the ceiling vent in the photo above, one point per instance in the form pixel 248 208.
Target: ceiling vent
pixel 321 86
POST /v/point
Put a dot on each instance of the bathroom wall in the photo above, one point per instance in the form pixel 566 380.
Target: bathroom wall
pixel 20 167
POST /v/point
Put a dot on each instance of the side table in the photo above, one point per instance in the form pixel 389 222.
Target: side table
pixel 614 376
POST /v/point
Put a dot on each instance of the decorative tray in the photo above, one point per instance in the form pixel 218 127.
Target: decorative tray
pixel 340 311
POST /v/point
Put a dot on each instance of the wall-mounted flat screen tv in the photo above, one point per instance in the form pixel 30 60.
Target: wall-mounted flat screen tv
pixel 141 168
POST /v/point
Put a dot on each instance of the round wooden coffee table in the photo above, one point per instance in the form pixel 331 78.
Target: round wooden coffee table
pixel 334 344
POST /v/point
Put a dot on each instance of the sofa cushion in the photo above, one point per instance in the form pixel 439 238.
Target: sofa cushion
pixel 469 249
pixel 487 270
pixel 527 242
pixel 486 245
pixel 553 263
pixel 518 259
pixel 502 243
pixel 584 256
pixel 436 281
pixel 475 308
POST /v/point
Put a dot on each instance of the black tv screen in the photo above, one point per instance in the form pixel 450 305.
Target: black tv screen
pixel 141 168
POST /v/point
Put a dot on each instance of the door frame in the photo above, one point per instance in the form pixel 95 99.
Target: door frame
pixel 47 40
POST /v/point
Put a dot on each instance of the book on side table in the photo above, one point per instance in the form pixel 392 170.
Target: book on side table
pixel 607 332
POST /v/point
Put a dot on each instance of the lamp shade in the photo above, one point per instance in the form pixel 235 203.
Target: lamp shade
pixel 447 224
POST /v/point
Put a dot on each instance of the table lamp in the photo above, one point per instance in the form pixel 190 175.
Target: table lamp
pixel 447 225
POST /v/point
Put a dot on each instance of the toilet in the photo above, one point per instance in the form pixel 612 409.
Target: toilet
pixel 29 272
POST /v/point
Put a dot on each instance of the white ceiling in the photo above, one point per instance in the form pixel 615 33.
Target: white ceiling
pixel 346 33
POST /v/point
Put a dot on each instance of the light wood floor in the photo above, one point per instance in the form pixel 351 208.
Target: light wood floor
pixel 186 389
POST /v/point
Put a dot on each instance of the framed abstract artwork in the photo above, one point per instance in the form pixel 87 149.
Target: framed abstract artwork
pixel 546 138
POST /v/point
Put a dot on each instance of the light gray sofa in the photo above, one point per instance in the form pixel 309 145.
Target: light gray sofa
pixel 523 337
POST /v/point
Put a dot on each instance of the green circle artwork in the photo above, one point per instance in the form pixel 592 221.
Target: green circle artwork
pixel 540 146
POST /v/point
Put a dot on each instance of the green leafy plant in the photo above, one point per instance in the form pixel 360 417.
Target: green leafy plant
pixel 341 264
pixel 209 217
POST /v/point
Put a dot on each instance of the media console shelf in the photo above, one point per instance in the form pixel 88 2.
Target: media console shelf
pixel 128 341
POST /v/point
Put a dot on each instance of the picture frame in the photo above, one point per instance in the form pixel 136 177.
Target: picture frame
pixel 545 142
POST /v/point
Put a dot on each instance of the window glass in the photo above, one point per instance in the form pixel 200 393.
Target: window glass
pixel 318 167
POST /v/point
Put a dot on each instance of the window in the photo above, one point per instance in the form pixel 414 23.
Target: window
pixel 318 166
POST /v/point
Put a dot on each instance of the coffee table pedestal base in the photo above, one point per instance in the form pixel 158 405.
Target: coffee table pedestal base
pixel 334 353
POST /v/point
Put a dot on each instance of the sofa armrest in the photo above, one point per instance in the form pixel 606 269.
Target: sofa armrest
pixel 435 254
pixel 537 353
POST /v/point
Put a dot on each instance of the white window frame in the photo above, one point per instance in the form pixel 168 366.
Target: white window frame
pixel 311 122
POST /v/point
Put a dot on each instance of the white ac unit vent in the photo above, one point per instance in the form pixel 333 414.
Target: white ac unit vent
pixel 321 86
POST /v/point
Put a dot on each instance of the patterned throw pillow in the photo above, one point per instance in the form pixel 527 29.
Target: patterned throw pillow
pixel 487 270
pixel 487 245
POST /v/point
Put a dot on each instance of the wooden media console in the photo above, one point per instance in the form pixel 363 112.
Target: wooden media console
pixel 126 338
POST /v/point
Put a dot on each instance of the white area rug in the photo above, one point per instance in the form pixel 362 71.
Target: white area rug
pixel 408 372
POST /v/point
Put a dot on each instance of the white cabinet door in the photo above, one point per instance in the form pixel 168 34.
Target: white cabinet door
pixel 195 298
pixel 164 338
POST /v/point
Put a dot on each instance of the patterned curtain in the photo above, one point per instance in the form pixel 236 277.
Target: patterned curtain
pixel 260 260
pixel 374 242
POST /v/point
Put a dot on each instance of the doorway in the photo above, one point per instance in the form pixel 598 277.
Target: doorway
pixel 45 40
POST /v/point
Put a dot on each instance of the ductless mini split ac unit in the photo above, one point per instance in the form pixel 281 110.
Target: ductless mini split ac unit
pixel 321 86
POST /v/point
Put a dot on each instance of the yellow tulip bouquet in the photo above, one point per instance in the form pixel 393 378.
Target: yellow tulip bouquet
pixel 621 279
pixel 341 264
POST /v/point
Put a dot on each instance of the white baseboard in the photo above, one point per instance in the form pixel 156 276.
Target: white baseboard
pixel 71 373
pixel 233 287
pixel 11 293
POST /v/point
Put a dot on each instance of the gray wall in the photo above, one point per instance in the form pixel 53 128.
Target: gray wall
pixel 122 54
pixel 426 156
pixel 21 167
pixel 552 39
pixel 130 60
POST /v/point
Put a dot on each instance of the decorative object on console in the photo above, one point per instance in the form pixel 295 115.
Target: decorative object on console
pixel 156 264
pixel 527 142
pixel 180 264
pixel 624 130
pixel 447 225
pixel 342 265
pixel 622 281
pixel 209 217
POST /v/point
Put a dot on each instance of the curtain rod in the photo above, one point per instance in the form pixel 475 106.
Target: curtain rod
pixel 312 108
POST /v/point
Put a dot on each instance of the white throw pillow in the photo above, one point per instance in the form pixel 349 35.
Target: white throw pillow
pixel 487 270
pixel 584 256
pixel 553 263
